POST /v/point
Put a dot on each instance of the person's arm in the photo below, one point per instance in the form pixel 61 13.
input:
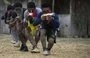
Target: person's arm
pixel 38 20
pixel 8 17
pixel 25 15
pixel 55 22
pixel 4 17
pixel 25 22
pixel 39 10
pixel 13 19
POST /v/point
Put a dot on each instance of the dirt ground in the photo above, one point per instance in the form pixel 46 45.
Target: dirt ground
pixel 64 48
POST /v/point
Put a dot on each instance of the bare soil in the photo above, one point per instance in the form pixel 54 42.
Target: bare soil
pixel 64 48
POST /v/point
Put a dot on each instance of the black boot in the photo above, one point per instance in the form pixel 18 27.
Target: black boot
pixel 21 48
pixel 24 48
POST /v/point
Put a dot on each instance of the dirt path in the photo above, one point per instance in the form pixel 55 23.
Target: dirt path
pixel 64 48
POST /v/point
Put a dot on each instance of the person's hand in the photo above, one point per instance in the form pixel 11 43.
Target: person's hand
pixel 18 18
pixel 2 17
pixel 43 17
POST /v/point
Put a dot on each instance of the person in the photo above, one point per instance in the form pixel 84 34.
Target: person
pixel 49 22
pixel 31 31
pixel 7 17
pixel 14 24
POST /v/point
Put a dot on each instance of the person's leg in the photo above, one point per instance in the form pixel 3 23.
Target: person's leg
pixel 37 36
pixel 16 35
pixel 30 38
pixel 51 41
pixel 23 40
pixel 32 41
pixel 13 37
pixel 43 38
pixel 18 30
pixel 17 44
pixel 50 45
